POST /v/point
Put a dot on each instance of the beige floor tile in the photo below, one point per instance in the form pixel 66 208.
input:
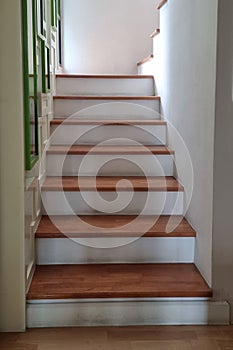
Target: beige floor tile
pixel 77 346
pixel 70 335
pixel 119 345
pixel 14 346
pixel 161 345
pixel 225 344
pixel 8 337
pixel 205 344
pixel 121 338
pixel 156 334
pixel 215 332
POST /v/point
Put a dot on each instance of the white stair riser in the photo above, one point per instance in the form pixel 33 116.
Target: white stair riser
pixel 67 108
pixel 89 134
pixel 109 165
pixel 59 313
pixel 92 86
pixel 68 203
pixel 143 250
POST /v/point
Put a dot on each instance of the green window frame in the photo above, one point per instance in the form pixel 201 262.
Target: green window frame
pixel 30 80
pixel 46 78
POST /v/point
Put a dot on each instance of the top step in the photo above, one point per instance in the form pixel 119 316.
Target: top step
pixel 118 85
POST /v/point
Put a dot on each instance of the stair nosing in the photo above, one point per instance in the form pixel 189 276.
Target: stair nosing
pixel 102 150
pixel 107 97
pixel 68 121
pixel 103 76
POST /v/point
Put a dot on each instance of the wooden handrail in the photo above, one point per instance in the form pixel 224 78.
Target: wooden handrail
pixel 147 59
pixel 160 5
pixel 154 33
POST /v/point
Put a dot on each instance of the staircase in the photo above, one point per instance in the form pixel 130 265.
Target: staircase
pixel 112 246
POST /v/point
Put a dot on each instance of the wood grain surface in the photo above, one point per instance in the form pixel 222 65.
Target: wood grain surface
pixel 117 281
pixel 59 226
pixel 111 183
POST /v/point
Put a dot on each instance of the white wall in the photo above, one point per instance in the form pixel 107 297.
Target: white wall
pixel 187 86
pixel 107 36
pixel 223 161
pixel 12 270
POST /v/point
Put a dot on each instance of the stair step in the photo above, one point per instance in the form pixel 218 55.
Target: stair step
pixel 74 227
pixel 86 121
pixel 90 202
pixel 109 149
pixel 90 195
pixel 105 105
pixel 110 183
pixel 111 161
pixel 127 85
pixel 117 281
pixel 115 132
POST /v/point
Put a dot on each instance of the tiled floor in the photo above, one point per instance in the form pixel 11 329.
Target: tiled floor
pixel 116 338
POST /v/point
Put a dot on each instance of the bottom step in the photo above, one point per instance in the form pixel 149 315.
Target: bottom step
pixel 121 294
pixel 117 281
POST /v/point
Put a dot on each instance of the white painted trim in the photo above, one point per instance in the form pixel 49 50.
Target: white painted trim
pixel 125 313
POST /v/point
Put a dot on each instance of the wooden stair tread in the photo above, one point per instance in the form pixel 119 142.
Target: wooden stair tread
pixel 106 97
pixel 104 76
pixel 61 226
pixel 117 281
pixel 108 149
pixel 110 183
pixel 68 121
